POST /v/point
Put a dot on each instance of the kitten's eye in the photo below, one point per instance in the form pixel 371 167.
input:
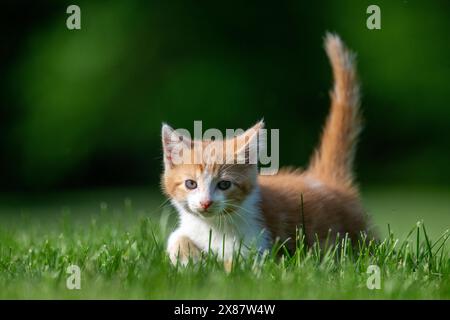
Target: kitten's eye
pixel 190 184
pixel 224 185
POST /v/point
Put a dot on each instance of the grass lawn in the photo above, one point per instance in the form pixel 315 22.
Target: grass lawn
pixel 117 238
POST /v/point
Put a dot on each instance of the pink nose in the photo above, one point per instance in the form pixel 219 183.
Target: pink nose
pixel 206 204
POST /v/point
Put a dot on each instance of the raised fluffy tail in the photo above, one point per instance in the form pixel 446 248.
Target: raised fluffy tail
pixel 333 160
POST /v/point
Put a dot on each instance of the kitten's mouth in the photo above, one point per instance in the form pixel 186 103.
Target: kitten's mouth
pixel 198 213
pixel 209 213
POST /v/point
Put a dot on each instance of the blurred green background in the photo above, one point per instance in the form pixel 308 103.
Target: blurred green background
pixel 82 109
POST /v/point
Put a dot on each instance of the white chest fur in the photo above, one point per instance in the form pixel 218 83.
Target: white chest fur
pixel 241 230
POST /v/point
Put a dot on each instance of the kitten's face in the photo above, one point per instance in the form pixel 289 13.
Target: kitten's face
pixel 208 189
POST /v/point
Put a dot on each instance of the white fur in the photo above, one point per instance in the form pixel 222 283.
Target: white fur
pixel 247 228
pixel 313 183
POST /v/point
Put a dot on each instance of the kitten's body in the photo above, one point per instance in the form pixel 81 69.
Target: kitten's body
pixel 257 210
pixel 325 207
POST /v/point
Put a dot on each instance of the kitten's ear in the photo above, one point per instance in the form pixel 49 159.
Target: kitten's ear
pixel 259 125
pixel 173 142
pixel 248 144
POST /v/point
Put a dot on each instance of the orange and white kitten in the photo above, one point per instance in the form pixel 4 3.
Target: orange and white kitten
pixel 229 207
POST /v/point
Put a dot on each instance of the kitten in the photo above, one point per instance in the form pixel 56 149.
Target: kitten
pixel 225 208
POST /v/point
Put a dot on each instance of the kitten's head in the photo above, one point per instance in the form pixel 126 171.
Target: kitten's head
pixel 214 177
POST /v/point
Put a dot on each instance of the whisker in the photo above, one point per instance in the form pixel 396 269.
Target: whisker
pixel 240 216
pixel 240 207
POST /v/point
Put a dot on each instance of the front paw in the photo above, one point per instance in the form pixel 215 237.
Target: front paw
pixel 182 250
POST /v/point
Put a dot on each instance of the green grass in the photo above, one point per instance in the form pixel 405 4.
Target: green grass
pixel 119 245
